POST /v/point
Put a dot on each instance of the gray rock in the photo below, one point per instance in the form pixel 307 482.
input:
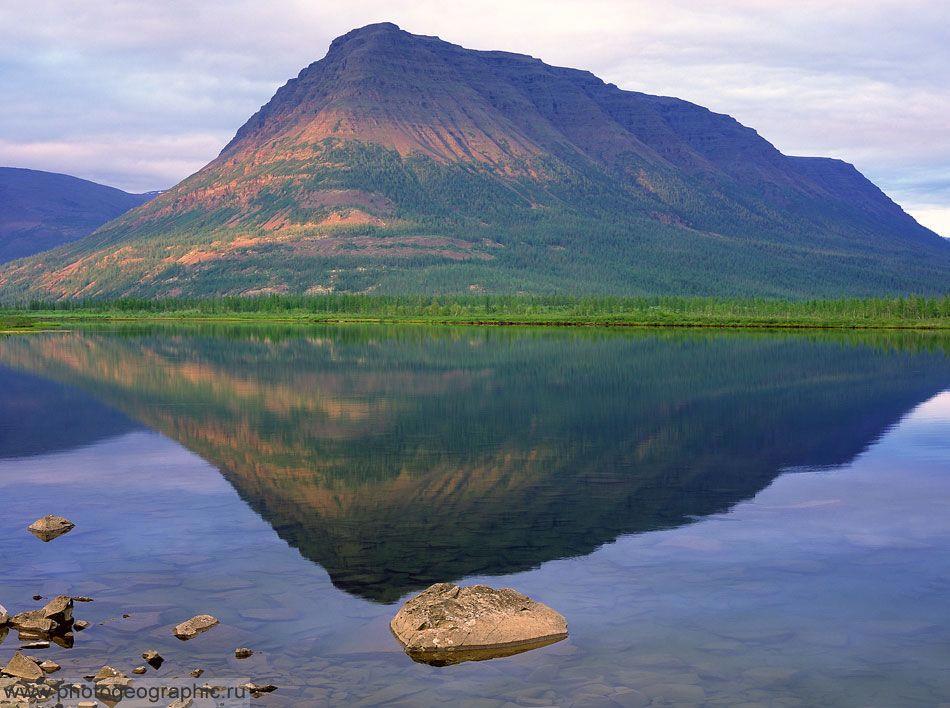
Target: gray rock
pixel 50 527
pixel 446 624
pixel 195 626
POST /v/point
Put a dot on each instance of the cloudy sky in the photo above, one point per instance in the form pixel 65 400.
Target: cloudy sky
pixel 139 95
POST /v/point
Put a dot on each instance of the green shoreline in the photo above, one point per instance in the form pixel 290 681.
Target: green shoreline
pixel 906 313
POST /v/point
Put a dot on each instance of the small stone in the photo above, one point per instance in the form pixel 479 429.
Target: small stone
pixel 86 704
pixel 37 597
pixel 139 670
pixel 259 688
pixel 181 703
pixel 153 658
pixel 50 667
pixel 4 615
pixel 80 625
pixel 23 667
pixel 195 626
pixel 126 616
pixel 243 653
pixel 82 598
pixel 36 645
pixel 50 527
pixel 196 673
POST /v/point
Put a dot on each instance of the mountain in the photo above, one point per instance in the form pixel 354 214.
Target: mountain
pixel 43 210
pixel 403 163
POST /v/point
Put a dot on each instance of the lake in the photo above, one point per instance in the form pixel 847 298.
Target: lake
pixel 722 518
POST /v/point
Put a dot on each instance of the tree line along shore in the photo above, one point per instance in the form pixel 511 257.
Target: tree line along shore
pixel 909 312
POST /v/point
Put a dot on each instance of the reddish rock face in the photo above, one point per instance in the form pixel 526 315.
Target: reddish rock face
pixel 446 624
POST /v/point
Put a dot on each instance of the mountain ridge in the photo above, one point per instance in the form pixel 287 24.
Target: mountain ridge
pixel 403 163
pixel 42 210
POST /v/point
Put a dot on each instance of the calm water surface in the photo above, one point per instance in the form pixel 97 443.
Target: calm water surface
pixel 723 519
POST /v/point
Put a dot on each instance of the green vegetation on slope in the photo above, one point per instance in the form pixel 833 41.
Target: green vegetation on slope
pixel 905 312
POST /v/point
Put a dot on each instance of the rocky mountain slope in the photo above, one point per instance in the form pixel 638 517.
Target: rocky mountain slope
pixel 43 210
pixel 404 163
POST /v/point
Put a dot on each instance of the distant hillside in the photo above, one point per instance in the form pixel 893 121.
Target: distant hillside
pixel 402 163
pixel 43 210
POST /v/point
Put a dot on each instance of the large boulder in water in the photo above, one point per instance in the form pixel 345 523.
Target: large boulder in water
pixel 446 624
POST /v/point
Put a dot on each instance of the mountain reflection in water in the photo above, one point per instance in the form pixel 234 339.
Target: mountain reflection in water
pixel 398 457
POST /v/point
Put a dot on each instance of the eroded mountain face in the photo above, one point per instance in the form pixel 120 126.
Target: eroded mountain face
pixel 396 458
pixel 401 162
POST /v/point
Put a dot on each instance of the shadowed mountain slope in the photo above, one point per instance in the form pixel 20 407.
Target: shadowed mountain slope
pixel 42 210
pixel 400 162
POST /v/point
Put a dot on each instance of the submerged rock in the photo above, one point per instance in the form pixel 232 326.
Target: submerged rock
pixel 109 677
pixel 195 626
pixel 243 653
pixel 446 624
pixel 50 527
pixel 23 667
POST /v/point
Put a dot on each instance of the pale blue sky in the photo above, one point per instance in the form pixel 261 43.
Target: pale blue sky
pixel 140 95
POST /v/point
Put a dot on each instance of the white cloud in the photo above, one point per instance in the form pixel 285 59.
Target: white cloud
pixel 934 217
pixel 141 94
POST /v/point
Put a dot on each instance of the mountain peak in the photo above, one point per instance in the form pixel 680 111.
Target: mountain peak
pixel 403 162
pixel 369 33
